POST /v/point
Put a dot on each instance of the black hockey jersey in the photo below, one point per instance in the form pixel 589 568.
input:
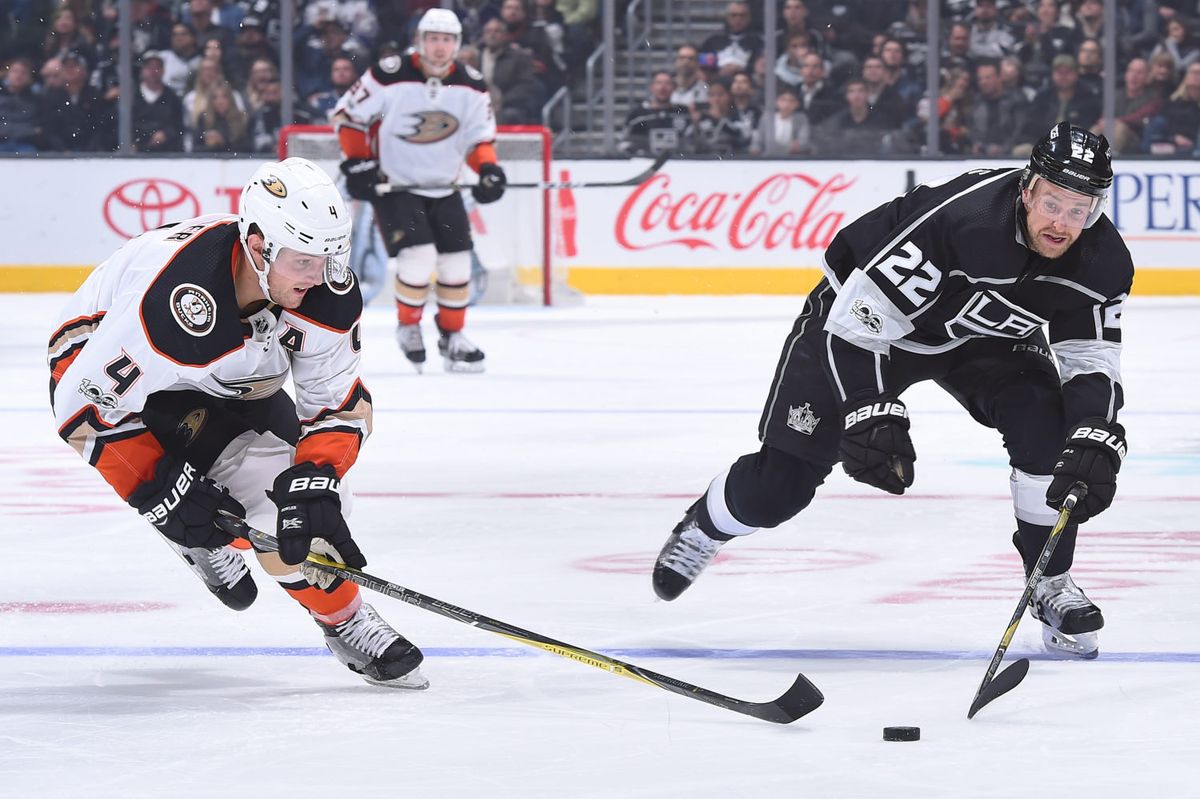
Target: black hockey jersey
pixel 947 262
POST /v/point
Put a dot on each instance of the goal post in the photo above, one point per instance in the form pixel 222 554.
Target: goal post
pixel 513 236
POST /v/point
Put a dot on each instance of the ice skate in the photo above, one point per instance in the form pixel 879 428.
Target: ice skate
pixel 369 647
pixel 1069 619
pixel 223 571
pixel 459 353
pixel 412 344
pixel 687 552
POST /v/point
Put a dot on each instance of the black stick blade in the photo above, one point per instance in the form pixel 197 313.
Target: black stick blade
pixel 1004 682
pixel 799 700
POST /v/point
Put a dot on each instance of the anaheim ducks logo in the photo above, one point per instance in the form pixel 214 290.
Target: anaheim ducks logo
pixel 194 309
pixel 431 126
pixel 275 186
pixel 190 426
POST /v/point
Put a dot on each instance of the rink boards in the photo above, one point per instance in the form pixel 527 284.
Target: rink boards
pixel 695 227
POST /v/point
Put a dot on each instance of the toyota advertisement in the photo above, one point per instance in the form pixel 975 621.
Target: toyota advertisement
pixel 711 226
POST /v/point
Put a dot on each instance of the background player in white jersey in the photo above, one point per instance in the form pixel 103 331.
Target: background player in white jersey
pixel 412 120
pixel 952 282
pixel 167 369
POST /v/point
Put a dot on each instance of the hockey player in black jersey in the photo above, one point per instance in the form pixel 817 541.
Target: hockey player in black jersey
pixel 952 282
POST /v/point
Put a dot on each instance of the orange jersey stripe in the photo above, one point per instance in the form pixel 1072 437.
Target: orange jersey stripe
pixel 484 153
pixel 128 463
pixel 336 448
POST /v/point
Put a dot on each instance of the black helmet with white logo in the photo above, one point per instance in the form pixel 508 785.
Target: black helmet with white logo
pixel 1075 159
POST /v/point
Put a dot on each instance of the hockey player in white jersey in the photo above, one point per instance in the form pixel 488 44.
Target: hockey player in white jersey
pixel 167 369
pixel 412 120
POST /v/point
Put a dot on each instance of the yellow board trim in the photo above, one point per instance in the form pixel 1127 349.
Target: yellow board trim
pixel 1148 282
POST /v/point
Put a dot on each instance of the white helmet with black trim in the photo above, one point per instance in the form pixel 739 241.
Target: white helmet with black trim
pixel 293 203
pixel 439 20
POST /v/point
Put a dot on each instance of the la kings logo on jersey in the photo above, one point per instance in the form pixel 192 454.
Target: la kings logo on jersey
pixel 430 127
pixel 988 313
pixel 194 309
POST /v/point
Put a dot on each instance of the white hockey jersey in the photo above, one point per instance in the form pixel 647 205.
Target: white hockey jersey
pixel 161 314
pixel 427 127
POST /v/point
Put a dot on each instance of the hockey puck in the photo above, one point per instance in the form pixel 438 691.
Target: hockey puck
pixel 901 733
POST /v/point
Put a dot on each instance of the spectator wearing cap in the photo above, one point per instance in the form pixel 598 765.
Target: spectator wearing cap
pixel 1063 100
pixel 181 61
pixel 20 109
pixel 251 45
pixel 78 119
pixel 988 38
pixel 157 111
pixel 517 95
pixel 735 48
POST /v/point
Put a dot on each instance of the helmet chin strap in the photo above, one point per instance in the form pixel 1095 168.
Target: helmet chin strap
pixel 261 274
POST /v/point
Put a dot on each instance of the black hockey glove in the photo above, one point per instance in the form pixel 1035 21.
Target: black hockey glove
pixel 1093 457
pixel 492 181
pixel 309 507
pixel 362 175
pixel 183 504
pixel 875 446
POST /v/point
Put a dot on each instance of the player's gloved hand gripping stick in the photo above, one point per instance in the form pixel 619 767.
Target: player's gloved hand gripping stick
pixel 802 698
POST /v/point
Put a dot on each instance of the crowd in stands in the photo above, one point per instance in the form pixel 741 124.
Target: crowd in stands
pixel 850 78
pixel 850 74
pixel 207 71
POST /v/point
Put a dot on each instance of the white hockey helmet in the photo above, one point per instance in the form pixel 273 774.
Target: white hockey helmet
pixel 293 203
pixel 439 20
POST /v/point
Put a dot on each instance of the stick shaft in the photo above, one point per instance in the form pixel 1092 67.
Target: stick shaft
pixel 802 698
pixel 1031 582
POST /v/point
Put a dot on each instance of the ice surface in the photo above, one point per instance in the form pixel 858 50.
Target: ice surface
pixel 539 494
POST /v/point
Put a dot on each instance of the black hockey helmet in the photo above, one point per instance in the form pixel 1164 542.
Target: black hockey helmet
pixel 1075 159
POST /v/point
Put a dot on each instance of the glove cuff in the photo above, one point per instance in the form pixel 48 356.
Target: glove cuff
pixel 1097 433
pixel 875 410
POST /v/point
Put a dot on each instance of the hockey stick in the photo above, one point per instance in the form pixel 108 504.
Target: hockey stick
pixel 1011 677
pixel 384 189
pixel 802 698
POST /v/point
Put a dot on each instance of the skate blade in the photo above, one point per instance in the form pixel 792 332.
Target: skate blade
pixel 1082 646
pixel 464 367
pixel 413 681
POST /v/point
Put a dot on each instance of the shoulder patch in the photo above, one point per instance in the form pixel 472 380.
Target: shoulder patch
pixel 396 69
pixel 466 76
pixel 194 309
pixel 189 310
pixel 472 72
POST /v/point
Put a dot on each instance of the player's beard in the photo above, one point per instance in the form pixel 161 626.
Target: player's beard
pixel 1048 249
